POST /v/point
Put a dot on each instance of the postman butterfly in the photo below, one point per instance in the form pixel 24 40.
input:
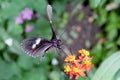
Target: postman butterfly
pixel 33 46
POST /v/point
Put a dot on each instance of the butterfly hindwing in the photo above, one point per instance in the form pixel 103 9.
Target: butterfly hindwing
pixel 35 45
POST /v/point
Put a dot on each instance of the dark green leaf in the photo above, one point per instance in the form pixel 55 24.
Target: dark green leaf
pixel 101 16
pixel 14 29
pixel 97 52
pixel 118 41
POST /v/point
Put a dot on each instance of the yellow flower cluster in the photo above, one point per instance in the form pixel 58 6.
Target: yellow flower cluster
pixel 84 52
pixel 70 58
pixel 77 67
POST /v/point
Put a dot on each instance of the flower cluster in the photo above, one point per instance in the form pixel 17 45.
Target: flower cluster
pixel 26 14
pixel 77 67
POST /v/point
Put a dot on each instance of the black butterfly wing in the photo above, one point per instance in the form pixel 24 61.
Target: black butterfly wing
pixel 35 45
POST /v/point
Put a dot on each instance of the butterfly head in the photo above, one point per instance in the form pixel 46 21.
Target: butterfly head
pixel 57 43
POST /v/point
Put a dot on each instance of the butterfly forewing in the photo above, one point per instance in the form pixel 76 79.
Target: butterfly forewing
pixel 35 45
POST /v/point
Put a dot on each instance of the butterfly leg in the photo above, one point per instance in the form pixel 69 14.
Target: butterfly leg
pixel 58 52
pixel 44 54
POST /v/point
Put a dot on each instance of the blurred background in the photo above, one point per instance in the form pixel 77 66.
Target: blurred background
pixel 90 24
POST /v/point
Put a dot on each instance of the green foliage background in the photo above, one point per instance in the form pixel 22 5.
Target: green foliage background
pixel 14 65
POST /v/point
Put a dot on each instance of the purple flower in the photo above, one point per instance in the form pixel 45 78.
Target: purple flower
pixel 29 28
pixel 19 20
pixel 27 14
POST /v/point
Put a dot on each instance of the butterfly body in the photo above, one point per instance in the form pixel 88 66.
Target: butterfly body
pixel 36 45
pixel 56 43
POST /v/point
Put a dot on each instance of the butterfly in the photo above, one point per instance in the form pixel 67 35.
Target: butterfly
pixel 33 46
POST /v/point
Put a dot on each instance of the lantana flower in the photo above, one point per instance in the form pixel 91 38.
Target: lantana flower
pixel 77 66
pixel 70 58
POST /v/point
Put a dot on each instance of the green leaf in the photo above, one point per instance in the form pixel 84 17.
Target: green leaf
pixel 25 61
pixel 117 1
pixel 7 9
pixel 80 16
pixel 8 70
pixel 118 41
pixel 42 28
pixel 55 75
pixel 102 16
pixel 14 29
pixel 108 68
pixel 109 44
pixel 58 8
pixel 4 35
pixel 2 45
pixel 97 52
pixel 38 5
pixel 110 27
pixel 83 78
pixel 112 34
pixel 113 17
pixel 12 8
pixel 36 74
pixel 15 45
pixel 117 75
pixel 94 3
pixel 63 76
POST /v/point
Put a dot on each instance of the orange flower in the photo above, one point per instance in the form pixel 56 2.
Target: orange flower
pixel 67 68
pixel 88 64
pixel 70 58
pixel 77 67
pixel 78 70
pixel 84 52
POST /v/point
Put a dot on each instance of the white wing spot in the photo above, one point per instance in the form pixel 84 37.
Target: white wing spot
pixel 33 46
pixel 38 41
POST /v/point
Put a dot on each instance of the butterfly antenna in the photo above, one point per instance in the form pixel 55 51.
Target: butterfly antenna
pixel 49 14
